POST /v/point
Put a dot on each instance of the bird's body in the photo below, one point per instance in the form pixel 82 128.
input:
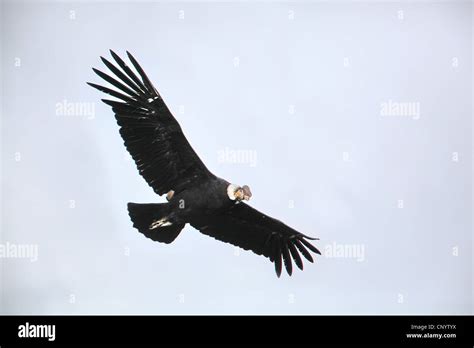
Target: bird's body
pixel 195 196
pixel 207 197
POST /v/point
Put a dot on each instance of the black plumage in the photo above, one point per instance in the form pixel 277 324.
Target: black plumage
pixel 166 160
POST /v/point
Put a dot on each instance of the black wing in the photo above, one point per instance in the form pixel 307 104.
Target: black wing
pixel 151 134
pixel 250 229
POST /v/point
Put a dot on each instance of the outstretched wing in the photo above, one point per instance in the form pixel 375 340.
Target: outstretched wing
pixel 250 229
pixel 151 134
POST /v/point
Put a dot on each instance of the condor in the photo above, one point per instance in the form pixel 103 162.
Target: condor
pixel 166 160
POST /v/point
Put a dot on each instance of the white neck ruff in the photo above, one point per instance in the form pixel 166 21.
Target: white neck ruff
pixel 231 191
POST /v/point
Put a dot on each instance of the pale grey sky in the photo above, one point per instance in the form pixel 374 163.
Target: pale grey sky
pixel 353 123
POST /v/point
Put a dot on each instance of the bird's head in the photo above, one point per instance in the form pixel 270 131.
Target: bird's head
pixel 238 193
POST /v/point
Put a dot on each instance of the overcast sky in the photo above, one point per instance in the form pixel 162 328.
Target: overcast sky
pixel 351 122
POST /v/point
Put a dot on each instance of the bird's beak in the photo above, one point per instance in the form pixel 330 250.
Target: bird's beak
pixel 247 193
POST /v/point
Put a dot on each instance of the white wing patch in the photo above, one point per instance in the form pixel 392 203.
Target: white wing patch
pixel 160 223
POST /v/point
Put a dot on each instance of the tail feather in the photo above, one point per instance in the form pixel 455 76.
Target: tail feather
pixel 155 221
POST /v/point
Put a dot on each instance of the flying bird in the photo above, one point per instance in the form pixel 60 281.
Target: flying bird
pixel 168 163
